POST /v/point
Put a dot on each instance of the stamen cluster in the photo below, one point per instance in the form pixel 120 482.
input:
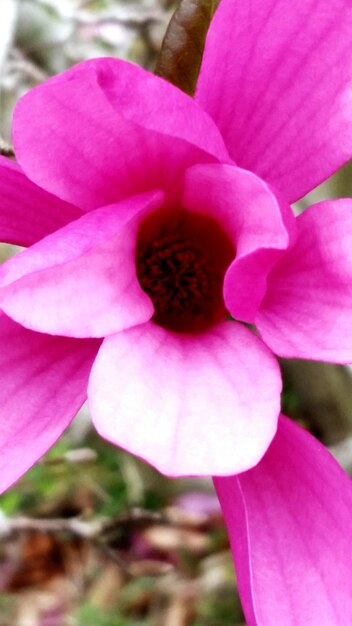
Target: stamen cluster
pixel 180 271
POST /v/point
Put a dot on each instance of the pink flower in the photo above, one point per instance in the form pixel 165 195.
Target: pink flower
pixel 289 521
pixel 150 216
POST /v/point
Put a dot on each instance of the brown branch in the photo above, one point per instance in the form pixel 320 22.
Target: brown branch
pixel 85 529
pixel 102 528
pixel 98 532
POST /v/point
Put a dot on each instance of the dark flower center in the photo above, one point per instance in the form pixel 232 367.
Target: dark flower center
pixel 181 260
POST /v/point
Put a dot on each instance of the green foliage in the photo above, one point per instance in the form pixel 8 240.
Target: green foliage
pixel 219 609
pixel 90 615
pixel 42 483
pixel 55 479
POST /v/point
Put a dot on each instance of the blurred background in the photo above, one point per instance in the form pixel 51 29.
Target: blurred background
pixel 91 536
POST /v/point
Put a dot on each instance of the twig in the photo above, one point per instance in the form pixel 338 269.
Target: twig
pixel 92 529
pixel 18 61
pixel 6 149
pixel 131 22
pixel 101 528
pixel 98 532
pixel 77 456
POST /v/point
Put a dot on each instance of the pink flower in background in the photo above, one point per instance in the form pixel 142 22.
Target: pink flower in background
pixel 150 217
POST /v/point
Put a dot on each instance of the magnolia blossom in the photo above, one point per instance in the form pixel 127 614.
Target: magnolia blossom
pixel 158 228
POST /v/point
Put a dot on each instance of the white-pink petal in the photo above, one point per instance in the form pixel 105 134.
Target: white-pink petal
pixel 187 404
pixel 307 310
pixel 260 225
pixel 43 384
pixel 81 281
pixel 290 526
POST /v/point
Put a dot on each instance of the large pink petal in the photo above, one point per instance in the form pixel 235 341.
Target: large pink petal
pixel 290 526
pixel 81 281
pixel 260 225
pixel 28 213
pixel 276 78
pixel 108 129
pixel 43 384
pixel 307 310
pixel 187 404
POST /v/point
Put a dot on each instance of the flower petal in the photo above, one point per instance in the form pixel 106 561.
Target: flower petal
pixel 43 384
pixel 107 129
pixel 260 225
pixel 187 404
pixel 290 526
pixel 307 310
pixel 28 213
pixel 276 78
pixel 81 281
